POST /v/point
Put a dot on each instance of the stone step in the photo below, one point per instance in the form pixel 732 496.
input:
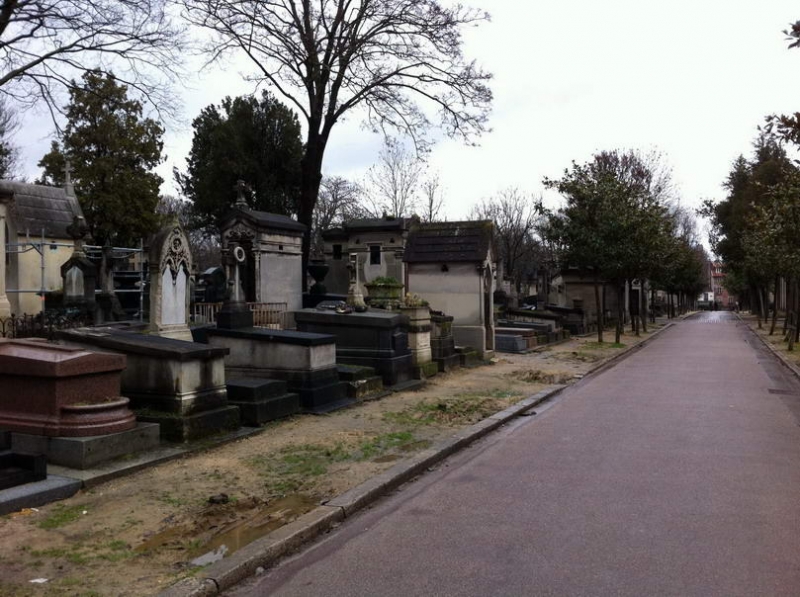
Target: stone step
pixel 469 358
pixel 354 372
pixel 254 389
pixel 19 468
pixel 369 388
pixel 448 363
pixel 426 370
pixel 255 413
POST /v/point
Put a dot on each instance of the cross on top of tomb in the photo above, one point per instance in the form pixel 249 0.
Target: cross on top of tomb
pixel 241 187
pixel 68 170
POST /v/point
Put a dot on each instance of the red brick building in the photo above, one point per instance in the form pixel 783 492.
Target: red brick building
pixel 721 296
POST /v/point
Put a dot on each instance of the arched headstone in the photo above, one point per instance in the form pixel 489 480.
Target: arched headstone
pixel 170 267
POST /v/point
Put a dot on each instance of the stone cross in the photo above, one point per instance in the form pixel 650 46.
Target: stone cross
pixel 68 169
pixel 240 188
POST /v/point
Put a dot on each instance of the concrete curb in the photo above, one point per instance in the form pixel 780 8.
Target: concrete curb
pixel 264 552
pixel 794 369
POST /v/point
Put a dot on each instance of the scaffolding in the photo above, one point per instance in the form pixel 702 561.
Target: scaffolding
pixel 93 253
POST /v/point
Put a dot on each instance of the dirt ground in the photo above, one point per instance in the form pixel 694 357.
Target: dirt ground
pixel 138 534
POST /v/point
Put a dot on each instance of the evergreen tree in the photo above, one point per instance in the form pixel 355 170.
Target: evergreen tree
pixel 243 139
pixel 112 150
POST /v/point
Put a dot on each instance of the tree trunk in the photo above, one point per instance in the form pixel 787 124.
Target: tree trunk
pixel 793 327
pixel 759 305
pixel 789 299
pixel 311 177
pixel 642 306
pixel 620 311
pixel 599 306
pixel 775 307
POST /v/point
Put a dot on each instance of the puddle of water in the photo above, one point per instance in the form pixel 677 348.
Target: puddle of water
pixel 241 533
pixel 210 557
pixel 170 536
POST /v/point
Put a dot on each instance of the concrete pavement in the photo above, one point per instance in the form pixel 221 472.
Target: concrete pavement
pixel 674 473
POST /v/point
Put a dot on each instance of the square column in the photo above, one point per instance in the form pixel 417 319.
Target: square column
pixel 5 306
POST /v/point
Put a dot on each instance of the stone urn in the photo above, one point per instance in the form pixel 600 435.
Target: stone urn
pixel 318 269
pixel 385 293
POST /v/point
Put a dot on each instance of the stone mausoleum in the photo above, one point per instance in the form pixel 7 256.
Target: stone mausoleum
pixel 29 213
pixel 451 265
pixel 273 244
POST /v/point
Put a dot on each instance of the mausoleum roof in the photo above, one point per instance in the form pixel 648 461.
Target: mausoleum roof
pixel 442 242
pixel 263 219
pixel 35 207
pixel 385 223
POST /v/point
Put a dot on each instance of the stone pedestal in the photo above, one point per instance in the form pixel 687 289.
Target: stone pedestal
pixel 443 346
pixel 306 362
pixel 374 339
pixel 59 391
pixel 419 341
pixel 179 385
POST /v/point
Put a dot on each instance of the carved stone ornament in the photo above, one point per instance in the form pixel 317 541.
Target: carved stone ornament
pixel 240 232
pixel 176 254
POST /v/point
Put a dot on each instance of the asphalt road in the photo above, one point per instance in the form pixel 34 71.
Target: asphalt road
pixel 677 472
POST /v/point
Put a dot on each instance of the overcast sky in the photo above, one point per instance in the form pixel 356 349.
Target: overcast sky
pixel 692 79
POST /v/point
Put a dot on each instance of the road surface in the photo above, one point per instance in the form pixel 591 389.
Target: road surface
pixel 676 472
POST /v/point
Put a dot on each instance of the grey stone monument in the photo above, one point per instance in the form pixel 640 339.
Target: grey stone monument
pixel 170 265
pixel 78 273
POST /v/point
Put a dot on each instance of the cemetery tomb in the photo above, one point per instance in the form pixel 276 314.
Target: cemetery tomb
pixel 179 385
pixel 56 391
pixel 374 339
pixel 305 361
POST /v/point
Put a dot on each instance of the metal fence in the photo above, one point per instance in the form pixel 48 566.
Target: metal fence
pixel 265 315
pixel 41 325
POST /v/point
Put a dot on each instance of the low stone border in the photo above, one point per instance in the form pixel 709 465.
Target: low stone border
pixel 265 552
pixel 794 369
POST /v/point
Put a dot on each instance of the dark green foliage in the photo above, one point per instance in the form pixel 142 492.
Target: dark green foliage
pixel 112 149
pixel 243 139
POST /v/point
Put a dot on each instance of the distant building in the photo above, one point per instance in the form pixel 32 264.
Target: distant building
pixel 721 295
pixel 28 214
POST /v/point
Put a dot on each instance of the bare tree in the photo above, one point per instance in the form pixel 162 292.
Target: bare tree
pixel 515 215
pixel 400 61
pixel 339 201
pixel 46 44
pixel 432 198
pixel 9 153
pixel 393 183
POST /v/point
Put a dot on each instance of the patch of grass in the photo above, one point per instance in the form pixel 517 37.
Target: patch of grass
pixel 383 443
pixel 174 501
pixel 543 377
pixel 62 515
pixel 596 345
pixel 287 470
pixel 464 408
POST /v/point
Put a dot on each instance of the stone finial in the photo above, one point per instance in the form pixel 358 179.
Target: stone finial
pixel 241 187
pixel 77 232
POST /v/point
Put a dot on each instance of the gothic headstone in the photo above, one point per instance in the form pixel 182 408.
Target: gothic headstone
pixel 170 267
pixel 78 273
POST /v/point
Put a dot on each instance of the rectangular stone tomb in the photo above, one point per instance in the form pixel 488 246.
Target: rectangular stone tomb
pixel 374 339
pixel 530 335
pixel 179 385
pixel 59 391
pixel 509 343
pixel 306 362
pixel 262 400
pixel 443 345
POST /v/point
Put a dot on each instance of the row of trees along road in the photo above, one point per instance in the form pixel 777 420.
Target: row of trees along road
pixel 754 229
pixel 618 223
pixel 399 62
